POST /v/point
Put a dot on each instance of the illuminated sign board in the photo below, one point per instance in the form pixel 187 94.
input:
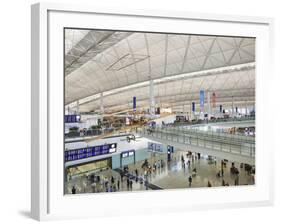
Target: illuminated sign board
pixel 83 153
pixel 71 118
pixel 170 149
pixel 128 153
pixel 155 147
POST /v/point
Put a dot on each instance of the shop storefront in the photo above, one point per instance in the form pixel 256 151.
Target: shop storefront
pixel 90 167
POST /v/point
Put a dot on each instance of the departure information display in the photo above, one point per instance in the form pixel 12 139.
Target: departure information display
pixel 84 153
pixel 128 153
pixel 154 147
pixel 71 118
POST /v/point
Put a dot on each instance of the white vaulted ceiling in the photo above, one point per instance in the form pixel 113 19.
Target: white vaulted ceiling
pixel 120 65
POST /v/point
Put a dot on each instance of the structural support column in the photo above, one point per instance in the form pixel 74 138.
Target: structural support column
pixel 190 110
pixel 77 107
pixel 101 106
pixel 151 97
pixel 232 110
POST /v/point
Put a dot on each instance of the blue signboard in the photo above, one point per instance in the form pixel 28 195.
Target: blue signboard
pixel 193 106
pixel 71 118
pixel 202 98
pixel 155 147
pixel 83 153
pixel 170 148
pixel 134 103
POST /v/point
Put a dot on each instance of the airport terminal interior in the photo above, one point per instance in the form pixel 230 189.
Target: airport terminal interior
pixel 155 111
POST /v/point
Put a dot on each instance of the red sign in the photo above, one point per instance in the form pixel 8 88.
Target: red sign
pixel 214 99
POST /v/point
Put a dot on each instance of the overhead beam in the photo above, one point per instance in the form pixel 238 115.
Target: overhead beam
pixel 108 39
pixel 171 102
pixel 193 75
pixel 188 94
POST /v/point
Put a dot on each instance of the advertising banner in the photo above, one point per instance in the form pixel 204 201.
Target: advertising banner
pixel 134 103
pixel 202 98
pixel 193 106
pixel 214 100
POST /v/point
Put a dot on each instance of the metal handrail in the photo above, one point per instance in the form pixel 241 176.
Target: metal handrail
pixel 209 141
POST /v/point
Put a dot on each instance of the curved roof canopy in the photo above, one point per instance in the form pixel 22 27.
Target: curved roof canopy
pixel 121 64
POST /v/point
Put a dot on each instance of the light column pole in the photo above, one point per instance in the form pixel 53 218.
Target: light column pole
pixel 190 109
pixel 232 110
pixel 151 97
pixel 101 106
pixel 77 107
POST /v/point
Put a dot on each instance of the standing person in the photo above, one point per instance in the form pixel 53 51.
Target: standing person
pixel 73 190
pixel 94 187
pixel 118 184
pixel 128 183
pixel 236 181
pixel 137 173
pixel 106 182
pixel 190 181
pixel 209 184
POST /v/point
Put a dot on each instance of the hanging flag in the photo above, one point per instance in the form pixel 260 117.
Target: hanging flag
pixel 214 99
pixel 193 106
pixel 134 103
pixel 202 97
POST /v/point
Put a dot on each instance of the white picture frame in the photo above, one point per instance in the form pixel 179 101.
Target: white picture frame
pixel 47 199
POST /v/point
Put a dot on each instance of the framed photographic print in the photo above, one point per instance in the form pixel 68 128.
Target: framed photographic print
pixel 148 111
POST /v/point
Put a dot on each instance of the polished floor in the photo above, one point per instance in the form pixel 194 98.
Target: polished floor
pixel 172 175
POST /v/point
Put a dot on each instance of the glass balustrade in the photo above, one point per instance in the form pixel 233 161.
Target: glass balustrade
pixel 243 145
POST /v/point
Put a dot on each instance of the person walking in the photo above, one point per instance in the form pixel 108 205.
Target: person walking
pixel 190 181
pixel 94 185
pixel 131 184
pixel 73 190
pixel 118 184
